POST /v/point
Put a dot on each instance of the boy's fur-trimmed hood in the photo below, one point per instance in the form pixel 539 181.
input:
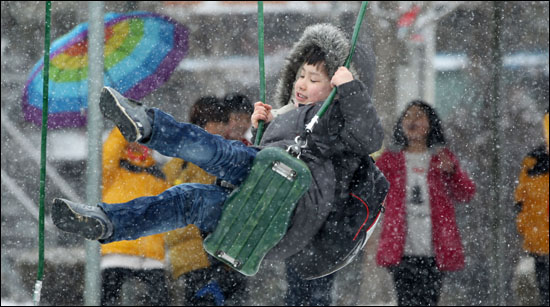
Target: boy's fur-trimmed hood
pixel 336 46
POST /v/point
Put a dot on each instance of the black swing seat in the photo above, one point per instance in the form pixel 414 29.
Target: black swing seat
pixel 348 228
pixel 257 215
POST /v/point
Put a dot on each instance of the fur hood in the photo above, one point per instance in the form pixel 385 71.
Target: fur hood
pixel 336 46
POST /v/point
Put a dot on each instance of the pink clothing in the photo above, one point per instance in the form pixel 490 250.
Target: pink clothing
pixel 443 190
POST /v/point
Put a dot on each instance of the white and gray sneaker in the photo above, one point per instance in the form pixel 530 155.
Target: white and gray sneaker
pixel 87 221
pixel 130 116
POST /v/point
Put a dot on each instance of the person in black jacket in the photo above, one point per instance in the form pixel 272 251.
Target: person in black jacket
pixel 342 139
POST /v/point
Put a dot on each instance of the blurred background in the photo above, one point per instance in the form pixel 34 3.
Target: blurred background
pixel 483 65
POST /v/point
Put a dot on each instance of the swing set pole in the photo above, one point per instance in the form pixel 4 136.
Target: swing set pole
pixel 45 89
pixel 260 130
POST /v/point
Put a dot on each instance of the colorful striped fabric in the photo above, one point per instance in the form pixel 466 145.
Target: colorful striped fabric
pixel 141 51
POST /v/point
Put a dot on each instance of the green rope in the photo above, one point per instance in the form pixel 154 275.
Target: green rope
pixel 45 73
pixel 260 130
pixel 358 22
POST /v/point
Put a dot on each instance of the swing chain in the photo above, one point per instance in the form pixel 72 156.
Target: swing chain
pixel 296 149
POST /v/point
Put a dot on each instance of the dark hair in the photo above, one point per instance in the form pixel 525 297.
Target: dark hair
pixel 238 103
pixel 435 132
pixel 208 109
pixel 314 55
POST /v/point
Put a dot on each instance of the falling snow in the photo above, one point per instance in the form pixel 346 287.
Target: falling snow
pixel 487 78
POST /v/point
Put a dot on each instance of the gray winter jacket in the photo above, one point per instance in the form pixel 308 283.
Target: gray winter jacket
pixel 349 131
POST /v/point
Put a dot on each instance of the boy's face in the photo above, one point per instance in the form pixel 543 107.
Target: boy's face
pixel 238 125
pixel 218 128
pixel 312 85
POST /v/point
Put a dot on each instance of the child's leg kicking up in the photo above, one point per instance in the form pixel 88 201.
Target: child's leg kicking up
pixel 228 160
pixel 225 159
pixel 176 207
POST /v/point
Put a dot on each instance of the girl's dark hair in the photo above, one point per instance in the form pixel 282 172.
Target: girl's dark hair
pixel 208 109
pixel 435 132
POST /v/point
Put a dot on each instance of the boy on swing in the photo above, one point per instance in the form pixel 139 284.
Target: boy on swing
pixel 349 132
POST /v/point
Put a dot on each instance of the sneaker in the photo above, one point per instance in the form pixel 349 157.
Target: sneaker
pixel 89 222
pixel 130 116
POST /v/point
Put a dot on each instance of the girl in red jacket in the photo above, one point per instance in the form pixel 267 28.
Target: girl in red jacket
pixel 420 237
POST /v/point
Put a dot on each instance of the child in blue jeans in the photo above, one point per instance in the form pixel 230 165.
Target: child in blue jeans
pixel 349 131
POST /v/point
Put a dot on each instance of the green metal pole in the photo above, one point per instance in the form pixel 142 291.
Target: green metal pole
pixel 45 88
pixel 260 130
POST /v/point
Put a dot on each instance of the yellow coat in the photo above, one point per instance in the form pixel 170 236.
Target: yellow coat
pixel 532 193
pixel 185 244
pixel 122 185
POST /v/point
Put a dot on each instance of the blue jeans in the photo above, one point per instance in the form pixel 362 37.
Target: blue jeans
pixel 188 203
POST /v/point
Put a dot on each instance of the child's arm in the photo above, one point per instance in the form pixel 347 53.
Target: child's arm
pixel 461 187
pixel 362 131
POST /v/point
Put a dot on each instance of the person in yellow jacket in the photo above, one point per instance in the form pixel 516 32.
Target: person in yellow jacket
pixel 204 280
pixel 130 171
pixel 531 197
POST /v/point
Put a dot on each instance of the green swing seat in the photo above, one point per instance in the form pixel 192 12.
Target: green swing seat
pixel 256 215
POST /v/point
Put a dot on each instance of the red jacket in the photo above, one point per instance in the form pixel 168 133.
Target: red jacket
pixel 443 190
